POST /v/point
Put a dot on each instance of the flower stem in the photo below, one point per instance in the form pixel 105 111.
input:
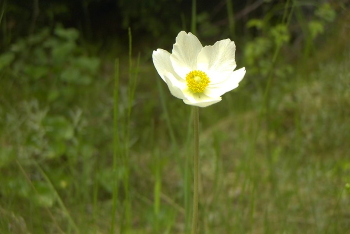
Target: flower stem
pixel 195 169
pixel 194 17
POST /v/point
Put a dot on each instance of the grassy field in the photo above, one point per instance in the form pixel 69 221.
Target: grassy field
pixel 274 154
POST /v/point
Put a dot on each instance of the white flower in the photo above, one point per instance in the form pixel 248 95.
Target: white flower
pixel 198 75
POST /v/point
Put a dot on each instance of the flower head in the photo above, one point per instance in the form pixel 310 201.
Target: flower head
pixel 198 75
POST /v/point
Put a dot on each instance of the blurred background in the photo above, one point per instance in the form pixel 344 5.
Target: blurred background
pixel 91 140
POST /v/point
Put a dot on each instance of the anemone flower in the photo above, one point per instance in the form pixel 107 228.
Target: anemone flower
pixel 198 75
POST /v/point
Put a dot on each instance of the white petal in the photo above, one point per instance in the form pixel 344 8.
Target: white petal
pixel 237 76
pixel 217 77
pixel 200 100
pixel 162 63
pixel 185 52
pixel 217 90
pixel 219 58
pixel 174 85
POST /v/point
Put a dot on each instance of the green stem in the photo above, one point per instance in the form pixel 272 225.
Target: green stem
pixel 194 17
pixel 231 18
pixel 195 169
pixel 116 144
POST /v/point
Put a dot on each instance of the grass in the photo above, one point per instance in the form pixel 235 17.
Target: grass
pixel 280 170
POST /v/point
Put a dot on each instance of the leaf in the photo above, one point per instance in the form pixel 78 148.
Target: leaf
pixel 280 34
pixel 58 128
pixel 326 12
pixel 70 75
pixel 68 34
pixel 259 24
pixel 90 64
pixel 36 72
pixel 63 51
pixel 44 197
pixel 315 28
pixel 6 59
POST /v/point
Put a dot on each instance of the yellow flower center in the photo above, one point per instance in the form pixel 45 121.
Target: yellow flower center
pixel 197 81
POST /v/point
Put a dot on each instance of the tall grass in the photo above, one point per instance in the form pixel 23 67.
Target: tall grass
pixel 273 159
pixel 121 155
pixel 116 144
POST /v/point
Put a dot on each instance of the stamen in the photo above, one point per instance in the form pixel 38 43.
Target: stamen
pixel 197 81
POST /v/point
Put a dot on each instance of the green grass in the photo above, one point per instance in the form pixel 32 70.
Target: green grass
pixel 276 168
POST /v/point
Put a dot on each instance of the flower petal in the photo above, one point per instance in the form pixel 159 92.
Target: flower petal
pixel 219 58
pixel 217 90
pixel 185 52
pixel 162 63
pixel 174 85
pixel 236 77
pixel 200 100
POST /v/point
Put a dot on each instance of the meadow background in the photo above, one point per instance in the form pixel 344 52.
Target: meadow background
pixel 91 140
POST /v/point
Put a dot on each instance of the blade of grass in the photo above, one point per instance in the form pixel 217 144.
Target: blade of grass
pixel 95 201
pixel 59 200
pixel 36 191
pixel 116 143
pixel 133 75
pixel 157 189
pixel 2 11
pixel 4 27
pixel 230 15
pixel 194 17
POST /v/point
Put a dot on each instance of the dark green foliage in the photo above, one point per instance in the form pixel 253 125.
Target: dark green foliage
pixel 41 77
pixel 274 160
